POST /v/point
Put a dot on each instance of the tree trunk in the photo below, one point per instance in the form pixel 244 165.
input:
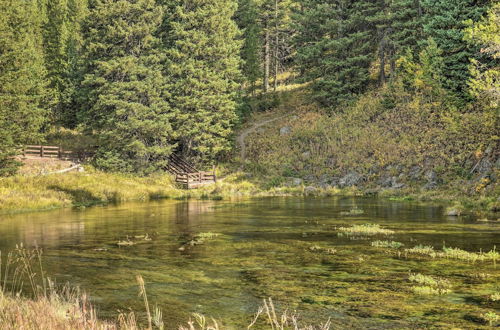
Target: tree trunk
pixel 267 57
pixel 381 75
pixel 276 44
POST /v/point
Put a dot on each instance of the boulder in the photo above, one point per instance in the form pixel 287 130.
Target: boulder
pixel 310 190
pixel 297 181
pixel 351 179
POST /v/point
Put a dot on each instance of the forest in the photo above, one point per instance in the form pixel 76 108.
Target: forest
pixel 143 78
pixel 344 159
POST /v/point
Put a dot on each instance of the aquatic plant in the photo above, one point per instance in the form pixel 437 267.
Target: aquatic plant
pixel 454 253
pixel 429 285
pixel 125 242
pixel 491 317
pixel 495 296
pixel 364 230
pixel 422 249
pixel 317 248
pixel 387 244
pixel 354 211
pixel 208 235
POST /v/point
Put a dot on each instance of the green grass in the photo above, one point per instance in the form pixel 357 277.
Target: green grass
pixel 21 194
pixel 454 253
pixel 387 244
pixel 364 230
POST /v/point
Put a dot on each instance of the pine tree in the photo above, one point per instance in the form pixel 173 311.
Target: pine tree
pixel 124 88
pixel 336 45
pixel 62 46
pixel 202 45
pixel 248 21
pixel 23 84
pixel 444 21
pixel 406 24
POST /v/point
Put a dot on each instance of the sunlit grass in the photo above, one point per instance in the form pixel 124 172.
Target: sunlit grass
pixel 429 285
pixel 454 253
pixel 387 244
pixel 364 230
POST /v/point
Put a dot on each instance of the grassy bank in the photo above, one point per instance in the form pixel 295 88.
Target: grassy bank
pixel 38 193
pixel 24 193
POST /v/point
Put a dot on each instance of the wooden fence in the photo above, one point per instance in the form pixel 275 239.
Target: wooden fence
pixel 195 179
pixel 187 175
pixel 41 151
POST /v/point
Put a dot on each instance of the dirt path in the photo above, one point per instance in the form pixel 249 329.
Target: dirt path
pixel 240 139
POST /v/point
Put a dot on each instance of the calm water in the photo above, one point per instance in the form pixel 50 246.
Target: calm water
pixel 265 248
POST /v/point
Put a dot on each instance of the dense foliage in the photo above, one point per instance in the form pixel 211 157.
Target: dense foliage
pixel 145 78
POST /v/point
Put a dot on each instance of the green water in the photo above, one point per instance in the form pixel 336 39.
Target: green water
pixel 272 247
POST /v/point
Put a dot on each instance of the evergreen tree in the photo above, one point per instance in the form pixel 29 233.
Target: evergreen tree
pixel 335 47
pixel 444 22
pixel 62 46
pixel 124 89
pixel 23 84
pixel 248 20
pixel 406 24
pixel 203 71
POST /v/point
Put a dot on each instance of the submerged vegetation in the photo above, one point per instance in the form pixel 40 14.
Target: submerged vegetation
pixel 364 230
pixel 429 285
pixel 454 253
pixel 387 244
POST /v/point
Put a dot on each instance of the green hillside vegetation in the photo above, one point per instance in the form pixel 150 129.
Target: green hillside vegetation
pixel 398 97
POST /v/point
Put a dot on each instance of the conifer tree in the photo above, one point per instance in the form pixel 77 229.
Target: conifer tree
pixel 62 46
pixel 336 44
pixel 444 22
pixel 23 83
pixel 124 89
pixel 406 24
pixel 248 21
pixel 203 69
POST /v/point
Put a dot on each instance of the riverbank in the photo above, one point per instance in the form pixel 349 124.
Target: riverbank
pixel 40 193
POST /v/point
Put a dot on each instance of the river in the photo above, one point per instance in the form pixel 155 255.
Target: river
pixel 285 248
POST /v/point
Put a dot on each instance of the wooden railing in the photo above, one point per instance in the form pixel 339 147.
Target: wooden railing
pixel 195 179
pixel 41 151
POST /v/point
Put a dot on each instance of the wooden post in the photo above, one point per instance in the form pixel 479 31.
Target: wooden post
pixel 213 170
pixel 59 152
pixel 24 151
pixel 41 151
pixel 199 175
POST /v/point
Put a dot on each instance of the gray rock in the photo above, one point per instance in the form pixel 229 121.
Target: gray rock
pixel 431 176
pixel 310 190
pixel 285 130
pixel 306 155
pixel 414 172
pixel 390 182
pixel 297 181
pixel 385 181
pixel 310 178
pixel 351 179
pixel 430 185
pixel 485 166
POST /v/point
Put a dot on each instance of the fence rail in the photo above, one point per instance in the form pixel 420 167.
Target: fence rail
pixel 43 151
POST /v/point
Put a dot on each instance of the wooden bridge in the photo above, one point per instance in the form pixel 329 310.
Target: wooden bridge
pixel 187 175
